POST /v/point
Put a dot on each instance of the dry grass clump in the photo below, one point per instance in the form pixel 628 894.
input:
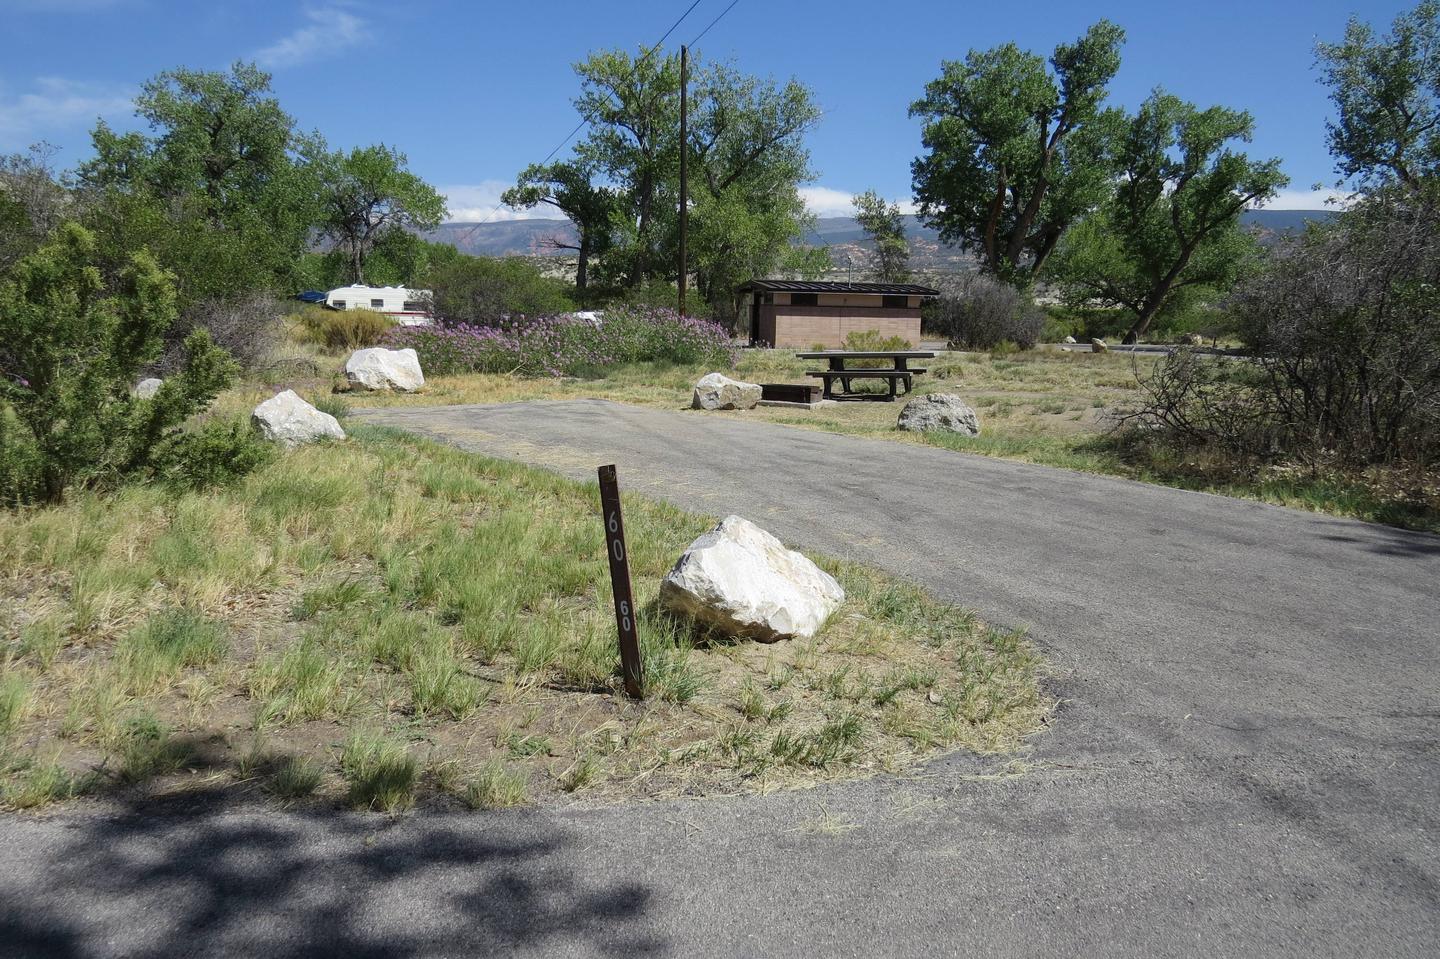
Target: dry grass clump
pixel 338 329
pixel 401 620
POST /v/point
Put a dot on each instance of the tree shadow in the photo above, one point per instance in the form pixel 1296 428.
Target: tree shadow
pixel 205 875
pixel 1386 540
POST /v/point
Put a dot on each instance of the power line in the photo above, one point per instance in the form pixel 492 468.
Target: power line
pixel 713 22
pixel 587 119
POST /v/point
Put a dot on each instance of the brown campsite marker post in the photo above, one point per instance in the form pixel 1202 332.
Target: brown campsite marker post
pixel 620 582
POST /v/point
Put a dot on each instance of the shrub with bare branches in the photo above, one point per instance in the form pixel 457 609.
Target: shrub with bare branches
pixel 978 312
pixel 248 328
pixel 1345 325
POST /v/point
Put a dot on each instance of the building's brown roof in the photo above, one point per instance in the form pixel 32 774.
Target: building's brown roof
pixel 825 286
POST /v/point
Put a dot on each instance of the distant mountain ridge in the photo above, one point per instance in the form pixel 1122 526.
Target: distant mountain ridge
pixel 841 233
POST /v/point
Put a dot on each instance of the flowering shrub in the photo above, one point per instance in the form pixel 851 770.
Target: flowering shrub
pixel 558 345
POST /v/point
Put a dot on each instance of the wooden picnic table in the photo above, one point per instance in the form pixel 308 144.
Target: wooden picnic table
pixel 897 373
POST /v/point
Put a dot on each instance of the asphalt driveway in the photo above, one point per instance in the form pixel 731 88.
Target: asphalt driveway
pixel 1246 760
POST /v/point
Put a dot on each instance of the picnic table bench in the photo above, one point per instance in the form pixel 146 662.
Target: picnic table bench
pixel 898 372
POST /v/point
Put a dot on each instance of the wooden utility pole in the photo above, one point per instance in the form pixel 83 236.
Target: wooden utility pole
pixel 684 149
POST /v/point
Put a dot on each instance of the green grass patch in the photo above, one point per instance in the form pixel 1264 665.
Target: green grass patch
pixel 380 771
pixel 389 590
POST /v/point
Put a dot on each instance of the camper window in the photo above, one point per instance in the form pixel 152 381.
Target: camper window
pixel 377 304
pixel 338 304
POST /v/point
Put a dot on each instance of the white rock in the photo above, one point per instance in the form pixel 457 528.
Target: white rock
pixel 1069 339
pixel 1098 346
pixel 286 418
pixel 939 411
pixel 742 581
pixel 716 391
pixel 147 388
pixel 377 368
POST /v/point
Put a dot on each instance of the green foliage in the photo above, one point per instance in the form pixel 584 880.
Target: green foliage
pixel 885 226
pixel 70 354
pixel 1386 90
pixel 368 195
pixel 746 159
pixel 485 290
pixel 568 187
pixel 872 341
pixel 1172 227
pixel 218 453
pixel 1016 153
pixel 220 192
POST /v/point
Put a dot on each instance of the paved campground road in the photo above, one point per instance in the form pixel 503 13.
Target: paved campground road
pixel 1245 763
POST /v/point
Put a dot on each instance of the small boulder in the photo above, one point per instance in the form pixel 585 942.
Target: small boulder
pixel 147 388
pixel 743 582
pixel 716 391
pixel 289 420
pixel 377 368
pixel 1098 346
pixel 1068 339
pixel 939 411
pixel 1192 339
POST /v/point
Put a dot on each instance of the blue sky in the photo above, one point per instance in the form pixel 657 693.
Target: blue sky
pixel 473 92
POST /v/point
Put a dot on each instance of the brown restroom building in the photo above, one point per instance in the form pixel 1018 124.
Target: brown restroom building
pixel 805 313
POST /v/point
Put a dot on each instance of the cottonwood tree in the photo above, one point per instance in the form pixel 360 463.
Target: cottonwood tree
pixel 569 188
pixel 747 160
pixel 885 226
pixel 1173 222
pixel 1016 152
pixel 1386 90
pixel 633 104
pixel 219 188
pixel 368 194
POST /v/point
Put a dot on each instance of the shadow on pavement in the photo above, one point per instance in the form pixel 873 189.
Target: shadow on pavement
pixel 201 879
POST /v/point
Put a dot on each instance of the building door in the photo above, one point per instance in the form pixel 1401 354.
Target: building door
pixel 754 319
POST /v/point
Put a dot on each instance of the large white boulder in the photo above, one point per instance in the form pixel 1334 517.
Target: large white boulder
pixel 742 581
pixel 939 411
pixel 716 391
pixel 1099 346
pixel 377 368
pixel 147 388
pixel 287 419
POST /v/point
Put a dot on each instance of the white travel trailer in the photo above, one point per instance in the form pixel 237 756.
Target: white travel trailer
pixel 408 307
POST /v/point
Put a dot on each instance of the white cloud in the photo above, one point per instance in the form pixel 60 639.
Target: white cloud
pixel 471 203
pixel 1307 200
pixel 828 201
pixel 55 104
pixel 329 31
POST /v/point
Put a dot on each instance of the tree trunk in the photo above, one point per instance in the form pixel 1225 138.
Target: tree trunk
pixel 357 263
pixel 1142 321
pixel 1156 299
pixel 582 270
